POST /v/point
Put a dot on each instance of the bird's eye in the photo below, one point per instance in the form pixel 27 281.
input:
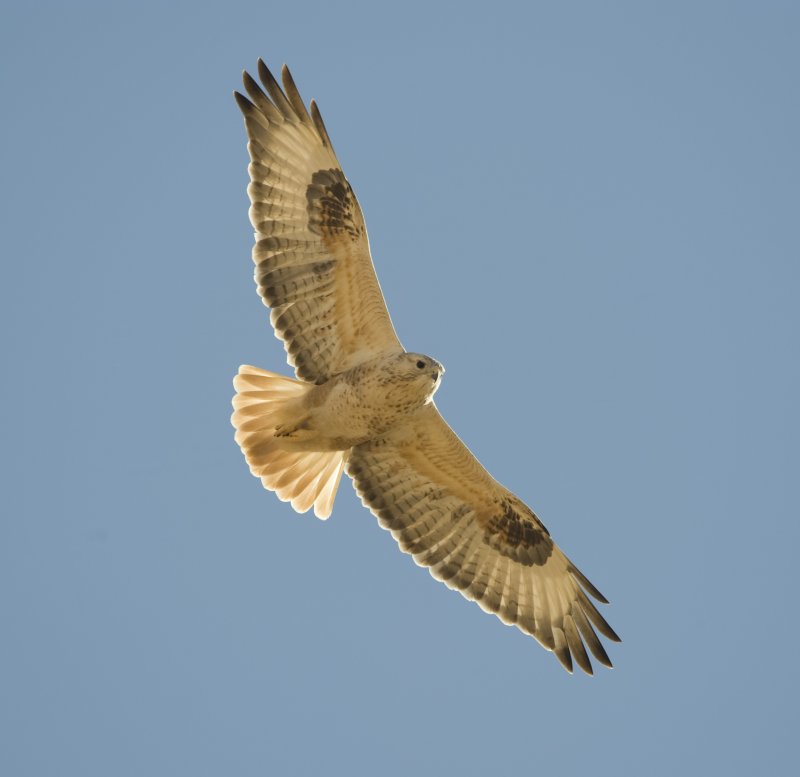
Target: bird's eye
pixel 421 365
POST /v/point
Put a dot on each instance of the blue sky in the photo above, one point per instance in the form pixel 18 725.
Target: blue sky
pixel 588 210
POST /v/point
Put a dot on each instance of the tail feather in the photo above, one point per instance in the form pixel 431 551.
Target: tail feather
pixel 310 487
pixel 265 401
pixel 331 478
pixel 300 472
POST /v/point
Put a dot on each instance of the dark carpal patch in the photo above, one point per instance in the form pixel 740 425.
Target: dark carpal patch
pixel 332 208
pixel 515 532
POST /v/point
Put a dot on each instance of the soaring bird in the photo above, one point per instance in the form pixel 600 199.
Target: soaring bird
pixel 363 405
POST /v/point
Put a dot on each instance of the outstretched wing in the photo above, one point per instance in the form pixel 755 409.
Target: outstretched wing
pixel 313 266
pixel 444 508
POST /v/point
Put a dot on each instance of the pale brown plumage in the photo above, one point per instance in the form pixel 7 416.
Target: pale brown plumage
pixel 313 268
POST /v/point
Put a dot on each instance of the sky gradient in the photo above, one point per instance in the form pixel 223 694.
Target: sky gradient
pixel 588 212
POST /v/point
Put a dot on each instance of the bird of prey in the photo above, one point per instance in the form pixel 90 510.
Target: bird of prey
pixel 362 404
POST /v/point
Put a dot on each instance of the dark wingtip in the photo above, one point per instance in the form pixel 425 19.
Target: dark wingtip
pixel 567 664
pixel 244 104
pixel 600 654
pixel 584 581
pixel 564 657
pixel 293 95
pixel 249 82
pixel 264 73
pixel 274 90
pixel 316 117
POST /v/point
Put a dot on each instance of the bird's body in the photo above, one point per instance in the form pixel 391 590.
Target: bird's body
pixel 361 403
pixel 354 406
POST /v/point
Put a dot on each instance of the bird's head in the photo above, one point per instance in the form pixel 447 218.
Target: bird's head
pixel 421 373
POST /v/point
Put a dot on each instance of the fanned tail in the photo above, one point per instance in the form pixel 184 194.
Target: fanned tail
pixel 267 411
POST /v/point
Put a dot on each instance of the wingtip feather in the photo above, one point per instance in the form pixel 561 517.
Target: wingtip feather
pixel 244 104
pixel 585 582
pixel 561 649
pixel 322 130
pixel 274 90
pixel 293 95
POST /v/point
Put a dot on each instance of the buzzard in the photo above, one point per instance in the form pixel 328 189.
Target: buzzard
pixel 361 404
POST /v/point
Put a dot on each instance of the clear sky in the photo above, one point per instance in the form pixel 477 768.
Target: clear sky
pixel 587 211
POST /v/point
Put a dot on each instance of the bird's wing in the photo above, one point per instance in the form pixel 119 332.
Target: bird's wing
pixel 444 508
pixel 313 266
